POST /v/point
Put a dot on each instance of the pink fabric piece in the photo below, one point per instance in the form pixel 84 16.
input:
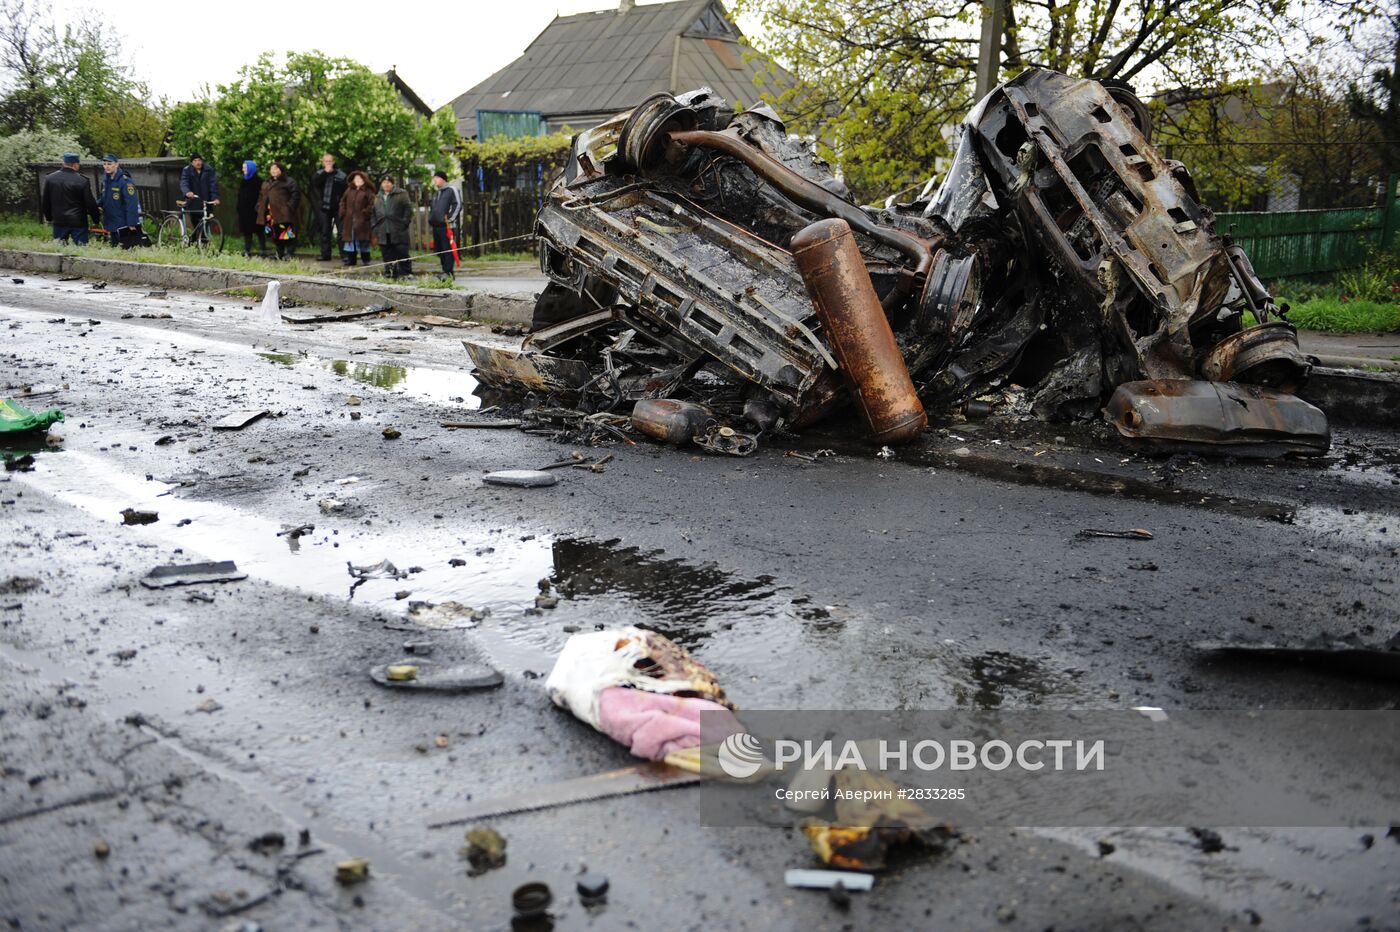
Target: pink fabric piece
pixel 652 725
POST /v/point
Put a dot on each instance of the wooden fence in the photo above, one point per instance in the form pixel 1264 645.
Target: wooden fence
pixel 496 220
pixel 1311 242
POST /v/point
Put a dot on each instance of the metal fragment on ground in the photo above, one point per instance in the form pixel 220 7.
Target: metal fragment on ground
pixel 435 677
pixel 191 574
pixel 825 880
pixel 521 478
pixel 1137 533
pixel 638 778
pixel 239 419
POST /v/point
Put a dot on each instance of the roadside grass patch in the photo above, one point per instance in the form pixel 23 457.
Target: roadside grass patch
pixel 1335 315
pixel 31 235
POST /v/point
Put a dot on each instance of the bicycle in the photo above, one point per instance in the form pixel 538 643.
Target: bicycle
pixel 207 234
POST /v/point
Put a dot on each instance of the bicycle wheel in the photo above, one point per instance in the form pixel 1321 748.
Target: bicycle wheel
pixel 171 233
pixel 209 236
pixel 215 236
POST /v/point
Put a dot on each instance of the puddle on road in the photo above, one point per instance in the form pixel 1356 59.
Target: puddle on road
pixel 999 678
pixel 457 386
pixel 603 583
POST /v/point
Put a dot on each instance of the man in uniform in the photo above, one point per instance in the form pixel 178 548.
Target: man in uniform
pixel 67 202
pixel 121 208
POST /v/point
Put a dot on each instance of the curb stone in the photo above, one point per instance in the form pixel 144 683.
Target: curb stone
pixel 458 302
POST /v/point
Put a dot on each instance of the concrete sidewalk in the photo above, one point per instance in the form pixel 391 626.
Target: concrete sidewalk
pixel 510 300
pixel 1353 350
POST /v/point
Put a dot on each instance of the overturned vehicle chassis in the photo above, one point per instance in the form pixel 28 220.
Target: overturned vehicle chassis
pixel 703 255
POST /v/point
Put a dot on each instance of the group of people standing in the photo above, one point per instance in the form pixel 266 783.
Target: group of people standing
pixel 348 210
pixel 67 204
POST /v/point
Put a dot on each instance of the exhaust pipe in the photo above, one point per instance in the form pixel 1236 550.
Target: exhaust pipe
pixel 860 336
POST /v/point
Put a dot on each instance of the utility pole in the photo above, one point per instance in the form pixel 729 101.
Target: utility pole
pixel 989 51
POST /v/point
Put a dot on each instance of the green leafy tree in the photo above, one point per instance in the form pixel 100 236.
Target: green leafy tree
pixel 883 80
pixel 74 79
pixel 308 103
pixel 1376 100
pixel 18 150
pixel 125 126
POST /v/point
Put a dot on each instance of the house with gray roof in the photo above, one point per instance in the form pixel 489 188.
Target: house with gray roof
pixel 584 68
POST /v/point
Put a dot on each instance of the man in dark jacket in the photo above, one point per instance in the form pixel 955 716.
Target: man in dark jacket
pixel 390 220
pixel 121 208
pixel 201 190
pixel 327 188
pixel 447 206
pixel 67 202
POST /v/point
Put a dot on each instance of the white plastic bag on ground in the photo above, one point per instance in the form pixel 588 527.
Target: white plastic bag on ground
pixel 272 304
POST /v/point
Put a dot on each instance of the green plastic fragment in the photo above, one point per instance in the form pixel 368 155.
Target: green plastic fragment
pixel 15 418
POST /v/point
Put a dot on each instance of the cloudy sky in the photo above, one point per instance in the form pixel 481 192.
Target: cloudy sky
pixel 441 50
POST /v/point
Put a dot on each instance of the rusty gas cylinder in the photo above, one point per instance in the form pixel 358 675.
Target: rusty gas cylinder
pixel 859 334
pixel 670 421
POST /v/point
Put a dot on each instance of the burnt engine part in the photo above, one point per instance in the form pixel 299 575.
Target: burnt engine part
pixel 855 326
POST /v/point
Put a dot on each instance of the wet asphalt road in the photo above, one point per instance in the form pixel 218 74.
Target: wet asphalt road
pixel 179 725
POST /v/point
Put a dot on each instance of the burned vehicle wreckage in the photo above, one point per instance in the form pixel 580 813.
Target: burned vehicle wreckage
pixel 709 257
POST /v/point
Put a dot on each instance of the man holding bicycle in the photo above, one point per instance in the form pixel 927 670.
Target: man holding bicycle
pixel 201 190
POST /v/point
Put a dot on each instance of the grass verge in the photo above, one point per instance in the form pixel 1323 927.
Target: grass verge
pixel 23 233
pixel 1334 315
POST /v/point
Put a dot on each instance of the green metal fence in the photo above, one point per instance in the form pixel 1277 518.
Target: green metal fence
pixel 1309 242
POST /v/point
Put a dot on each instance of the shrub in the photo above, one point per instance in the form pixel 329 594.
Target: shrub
pixel 19 149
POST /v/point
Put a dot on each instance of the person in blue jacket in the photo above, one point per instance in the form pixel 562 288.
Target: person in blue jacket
pixel 121 208
pixel 201 190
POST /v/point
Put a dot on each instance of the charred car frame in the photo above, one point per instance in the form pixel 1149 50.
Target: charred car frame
pixel 698 254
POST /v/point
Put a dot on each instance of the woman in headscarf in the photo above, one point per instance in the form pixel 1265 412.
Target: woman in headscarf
pixel 249 190
pixel 356 206
pixel 277 207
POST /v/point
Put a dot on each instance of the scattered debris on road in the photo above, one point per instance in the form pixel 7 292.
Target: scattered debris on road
pixel 425 675
pixel 864 831
pixel 485 850
pixel 521 478
pixel 192 574
pixel 644 777
pixel 363 574
pixel 353 871
pixel 592 888
pixel 531 903
pixel 1137 533
pixel 825 880
pixel 238 420
pixel 482 424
